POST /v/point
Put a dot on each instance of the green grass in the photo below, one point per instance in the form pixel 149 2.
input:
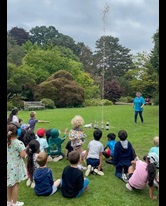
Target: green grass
pixel 102 190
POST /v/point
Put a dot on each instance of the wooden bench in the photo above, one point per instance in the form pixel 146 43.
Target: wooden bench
pixel 32 105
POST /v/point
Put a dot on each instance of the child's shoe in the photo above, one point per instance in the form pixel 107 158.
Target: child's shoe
pixel 83 168
pixel 18 204
pixel 129 187
pixel 98 172
pixel 9 203
pixel 33 184
pixel 49 159
pixel 125 178
pixel 56 159
pixel 88 170
pixel 28 182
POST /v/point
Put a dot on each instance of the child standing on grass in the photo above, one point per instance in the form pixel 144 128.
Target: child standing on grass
pixel 123 155
pixel 109 149
pixel 77 137
pixel 16 169
pixel 43 177
pixel 32 121
pixel 73 183
pixel 93 154
pixel 32 151
pixel 142 173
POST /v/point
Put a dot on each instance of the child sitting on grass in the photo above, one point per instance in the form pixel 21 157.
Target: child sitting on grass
pixel 32 151
pixel 41 139
pixel 55 145
pixel 93 154
pixel 142 173
pixel 43 177
pixel 73 183
pixel 109 149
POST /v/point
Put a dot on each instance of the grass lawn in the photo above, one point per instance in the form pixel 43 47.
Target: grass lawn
pixel 102 190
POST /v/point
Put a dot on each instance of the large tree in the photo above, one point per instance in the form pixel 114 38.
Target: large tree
pixel 111 57
pixel 15 52
pixel 19 34
pixel 155 52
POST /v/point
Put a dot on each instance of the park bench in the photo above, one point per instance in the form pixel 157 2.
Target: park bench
pixel 32 105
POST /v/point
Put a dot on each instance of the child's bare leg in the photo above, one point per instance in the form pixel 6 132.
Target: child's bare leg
pixel 9 194
pixel 15 193
pixel 131 169
pixel 57 182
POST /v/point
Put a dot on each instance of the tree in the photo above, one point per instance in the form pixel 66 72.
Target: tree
pixel 19 34
pixel 62 89
pixel 112 57
pixel 43 35
pixel 112 91
pixel 15 53
pixel 143 77
pixel 155 52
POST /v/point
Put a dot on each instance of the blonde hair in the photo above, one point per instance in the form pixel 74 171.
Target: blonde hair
pixel 32 114
pixel 77 121
pixel 156 141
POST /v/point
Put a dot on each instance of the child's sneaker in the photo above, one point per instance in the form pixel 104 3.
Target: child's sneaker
pixel 83 168
pixel 28 182
pixel 129 187
pixel 9 203
pixel 18 204
pixel 49 158
pixel 33 184
pixel 56 159
pixel 98 172
pixel 125 178
pixel 88 170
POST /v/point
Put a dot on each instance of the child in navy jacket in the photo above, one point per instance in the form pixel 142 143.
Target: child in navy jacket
pixel 43 177
pixel 123 155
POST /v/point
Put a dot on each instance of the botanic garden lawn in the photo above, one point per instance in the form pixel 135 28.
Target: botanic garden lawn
pixel 102 190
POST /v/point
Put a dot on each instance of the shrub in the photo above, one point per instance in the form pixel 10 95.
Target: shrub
pixel 97 102
pixel 49 103
pixel 10 106
pixel 126 99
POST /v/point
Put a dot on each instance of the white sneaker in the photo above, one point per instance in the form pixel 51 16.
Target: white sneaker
pixel 28 182
pixel 18 204
pixel 87 172
pixel 83 168
pixel 124 177
pixel 98 172
pixel 9 203
pixel 33 184
pixel 49 158
pixel 129 187
pixel 56 159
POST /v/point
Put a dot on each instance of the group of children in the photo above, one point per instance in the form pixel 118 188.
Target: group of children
pixel 39 151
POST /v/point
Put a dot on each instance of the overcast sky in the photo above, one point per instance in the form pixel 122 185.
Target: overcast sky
pixel 132 21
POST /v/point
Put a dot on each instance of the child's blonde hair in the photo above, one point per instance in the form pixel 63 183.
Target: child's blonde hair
pixel 32 114
pixel 156 141
pixel 77 121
